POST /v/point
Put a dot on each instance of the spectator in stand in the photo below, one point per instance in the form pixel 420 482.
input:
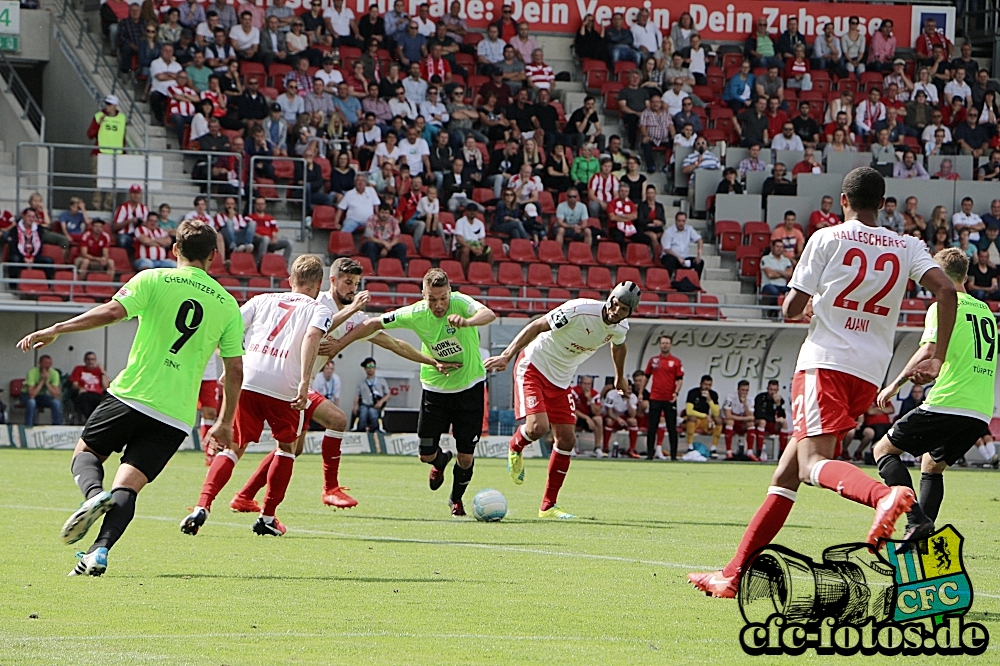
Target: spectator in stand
pixel 682 32
pixel 490 51
pixel 937 122
pixel 619 41
pixel 319 100
pixel 730 183
pixel 770 85
pixel 918 113
pixel 90 382
pixel 128 216
pixel 371 26
pixel 523 43
pixel 809 164
pixel 913 219
pixel 651 218
pixel 557 173
pixel 890 218
pixel 588 42
pixel 656 128
pixel 823 218
pixel 94 246
pixel 237 230
pixel 775 271
pixel 898 77
pixel 162 74
pixel 966 218
pixel 787 140
pixel 149 50
pixel 777 183
pixel 676 247
pixel 310 176
pixel 396 20
pixel 341 25
pixel 43 390
pixel 852 46
pixel 226 13
pixel 347 108
pixel 966 62
pixel 797 71
pixel 972 137
pixel 940 69
pixel 827 53
pixel 694 58
pixel 882 50
pixel 675 97
pixel 571 220
pixel 152 245
pixel 789 38
pixel 192 14
pixel 925 85
pixel 181 108
pixel 869 112
pixel 468 240
pixel 131 31
pixel 989 110
pixel 276 130
pixel 297 43
pixel 328 385
pixel 633 100
pixel 752 161
pixel 245 37
pixel 290 103
pixel 521 114
pixel 220 53
pixel 759 47
pixel 700 158
pixel 266 237
pixel 602 188
pixel 526 185
pixel 910 167
pixel 433 111
pixel 357 206
pixel 411 46
pixel 199 73
pixel 584 165
pixel 954 115
pixel 415 85
pixel 912 401
pixel 990 242
pixel 791 237
pixel 983 278
pixel 205 32
pixel 958 87
pixel 622 215
pixel 424 22
pixel 273 43
pixel 508 218
pixel 504 163
pixel 980 87
pixel 107 130
pixel 897 131
pixel 74 221
pixel 992 219
pixel 991 170
pixel 285 15
pixel 24 242
pixel 435 65
pixel 882 151
pixel 456 187
pixel 646 37
pixel 738 93
pixel 382 236
pixel 457 26
pixel 539 76
pixel 49 232
pixel 928 39
pixel 686 116
pixel 252 106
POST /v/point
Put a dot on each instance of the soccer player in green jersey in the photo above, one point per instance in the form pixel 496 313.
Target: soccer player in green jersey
pixel 446 324
pixel 184 316
pixel 960 405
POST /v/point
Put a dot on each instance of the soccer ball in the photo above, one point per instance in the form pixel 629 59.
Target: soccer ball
pixel 489 506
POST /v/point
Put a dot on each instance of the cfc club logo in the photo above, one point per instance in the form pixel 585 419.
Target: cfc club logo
pixel 906 599
pixel 532 401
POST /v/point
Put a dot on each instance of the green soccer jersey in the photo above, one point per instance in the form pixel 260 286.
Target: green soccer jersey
pixel 184 315
pixel 442 341
pixel 965 383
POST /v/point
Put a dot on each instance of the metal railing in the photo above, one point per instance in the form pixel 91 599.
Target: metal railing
pixel 294 197
pixel 61 184
pixel 78 39
pixel 15 86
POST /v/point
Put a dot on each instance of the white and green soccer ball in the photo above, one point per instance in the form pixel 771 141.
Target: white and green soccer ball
pixel 489 506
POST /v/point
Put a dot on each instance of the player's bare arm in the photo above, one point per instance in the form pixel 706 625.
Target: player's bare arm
pixel 107 314
pixel 618 354
pixel 482 317
pixel 357 305
pixel 310 349
pixel 405 350
pixel 371 325
pixel 923 353
pixel 937 282
pixel 522 340
pixel 795 304
pixel 220 436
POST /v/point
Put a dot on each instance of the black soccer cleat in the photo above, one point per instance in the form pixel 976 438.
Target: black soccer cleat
pixel 194 521
pixel 264 528
pixel 436 477
pixel 914 534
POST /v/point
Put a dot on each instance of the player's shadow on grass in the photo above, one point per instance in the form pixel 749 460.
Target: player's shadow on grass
pixel 350 579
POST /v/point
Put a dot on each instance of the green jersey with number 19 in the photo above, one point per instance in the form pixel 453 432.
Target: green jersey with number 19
pixel 184 316
pixel 442 341
pixel 965 384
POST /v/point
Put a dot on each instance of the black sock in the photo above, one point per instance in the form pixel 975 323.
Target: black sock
pixel 117 519
pixel 88 472
pixel 931 494
pixel 893 471
pixel 440 461
pixel 461 482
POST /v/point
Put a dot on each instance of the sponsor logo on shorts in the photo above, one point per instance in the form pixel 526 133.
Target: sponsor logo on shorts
pixel 858 599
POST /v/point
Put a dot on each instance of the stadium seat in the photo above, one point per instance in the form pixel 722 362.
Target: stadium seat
pixel 469 290
pixel 550 252
pixel 678 306
pixel 381 296
pixel 748 257
pixel 390 267
pixel 257 286
pixel 546 206
pixel 581 254
pixel 569 277
pixel 690 274
pixel 623 67
pixel 521 251
pixel 557 295
pixel 599 278
pixel 757 234
pixel 592 294
pixel 609 254
pixel 54 252
pixel 500 301
pixel 284 169
pixel 49 298
pixel 729 235
pixel 407 293
pixel 596 78
pixel 341 244
pixel 432 247
pixel 64 289
pixel 367 270
pixel 510 274
pixel 913 311
pixel 650 305
pixel 411 248
pixel 658 279
pixel 217 267
pixel 99 286
pixel 33 288
pixel 447 220
pixel 418 268
pixel 637 254
pixel 707 307
pixel 242 264
pixel 248 67
pixel 120 257
pixel 629 274
pixel 870 80
pixel 322 217
pixel 496 244
pixel 453 269
pixel 273 265
pixel 233 286
pixel 540 275
pixel 481 273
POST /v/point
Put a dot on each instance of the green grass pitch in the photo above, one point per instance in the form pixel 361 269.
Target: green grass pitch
pixel 397 581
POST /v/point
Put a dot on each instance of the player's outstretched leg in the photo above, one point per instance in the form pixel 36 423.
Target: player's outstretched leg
pixel 218 476
pixel 431 453
pixel 245 500
pixel 278 477
pixel 763 527
pixel 127 484
pixel 565 439
pixel 534 428
pixel 894 473
pixel 88 472
pixel 462 477
pixel 334 421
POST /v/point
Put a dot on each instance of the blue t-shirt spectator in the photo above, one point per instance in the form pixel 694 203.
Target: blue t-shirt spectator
pixel 72 223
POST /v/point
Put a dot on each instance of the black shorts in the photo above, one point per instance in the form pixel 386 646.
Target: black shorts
pixel 148 444
pixel 880 429
pixel 944 436
pixel 583 425
pixel 462 413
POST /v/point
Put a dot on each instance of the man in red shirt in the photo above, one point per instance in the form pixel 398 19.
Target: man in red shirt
pixel 927 40
pixel 94 244
pixel 435 65
pixel 822 218
pixel 266 235
pixel 90 381
pixel 588 413
pixel 667 375
pixel 128 216
pixel 809 164
pixel 622 214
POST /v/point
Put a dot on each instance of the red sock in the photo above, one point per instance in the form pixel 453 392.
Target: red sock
pixel 331 458
pixel 660 433
pixel 519 440
pixel 782 441
pixel 608 434
pixel 558 465
pixel 259 478
pixel 729 438
pixel 278 476
pixel 848 481
pixel 763 527
pixel 218 476
pixel 633 437
pixel 761 436
pixel 203 434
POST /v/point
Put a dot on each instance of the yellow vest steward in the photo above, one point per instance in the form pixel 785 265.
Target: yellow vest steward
pixel 111 133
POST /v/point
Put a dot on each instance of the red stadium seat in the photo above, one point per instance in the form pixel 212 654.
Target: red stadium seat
pixel 550 252
pixel 609 254
pixel 481 273
pixel 273 265
pixel 469 290
pixel 284 169
pixel 99 286
pixel 432 247
pixel 532 306
pixel 217 267
pixel 540 275
pixel 757 234
pixel 233 286
pixel 599 278
pixel 546 205
pixel 521 251
pixel 341 244
pixel 411 248
pixel 120 257
pixel 322 217
pixel 650 305
pixel 381 295
pixel 681 308
pixel 510 274
pixel 418 268
pixel 49 298
pixel 495 244
pixel 33 288
pixel 558 293
pixel 581 254
pixel 658 279
pixel 407 293
pixel 690 274
pixel 708 308
pixel 570 277
pixel 242 264
pixel 628 274
pixel 637 254
pixel 390 267
pixel 64 289
pixel 592 294
pixel 500 301
pixel 367 270
pixel 56 253
pixel 913 311
pixel 453 269
pixel 748 257
pixel 729 234
pixel 623 67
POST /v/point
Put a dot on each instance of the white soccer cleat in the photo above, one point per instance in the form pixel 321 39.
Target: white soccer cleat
pixel 75 528
pixel 91 564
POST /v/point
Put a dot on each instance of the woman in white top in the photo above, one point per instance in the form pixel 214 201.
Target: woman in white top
pixel 843 103
pixel 924 83
pixel 684 139
pixel 838 145
pixel 989 113
pixel 429 211
pixel 387 151
pixel 199 124
pixel 852 45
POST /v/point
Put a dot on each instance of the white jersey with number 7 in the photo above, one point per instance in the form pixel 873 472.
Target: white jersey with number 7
pixel 275 325
pixel 857 277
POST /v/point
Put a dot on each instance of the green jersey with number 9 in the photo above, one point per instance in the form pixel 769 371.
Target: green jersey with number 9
pixel 184 316
pixel 442 341
pixel 965 384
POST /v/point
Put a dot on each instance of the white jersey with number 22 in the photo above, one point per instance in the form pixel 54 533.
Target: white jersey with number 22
pixel 857 277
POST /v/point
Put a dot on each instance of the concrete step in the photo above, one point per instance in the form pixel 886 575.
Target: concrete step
pixel 8 170
pixel 557 48
pixel 6 158
pixel 720 286
pixel 718 274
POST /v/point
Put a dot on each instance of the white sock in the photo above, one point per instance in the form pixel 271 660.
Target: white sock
pixel 991 450
pixel 659 449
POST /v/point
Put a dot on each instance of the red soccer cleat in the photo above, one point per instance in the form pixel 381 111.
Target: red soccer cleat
pixel 729 455
pixel 436 477
pixel 715 584
pixel 244 505
pixel 632 454
pixel 458 509
pixel 752 456
pixel 336 497
pixel 887 511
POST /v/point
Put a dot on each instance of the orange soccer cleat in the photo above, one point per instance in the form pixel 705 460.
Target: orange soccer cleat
pixel 336 497
pixel 887 511
pixel 241 504
pixel 715 584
